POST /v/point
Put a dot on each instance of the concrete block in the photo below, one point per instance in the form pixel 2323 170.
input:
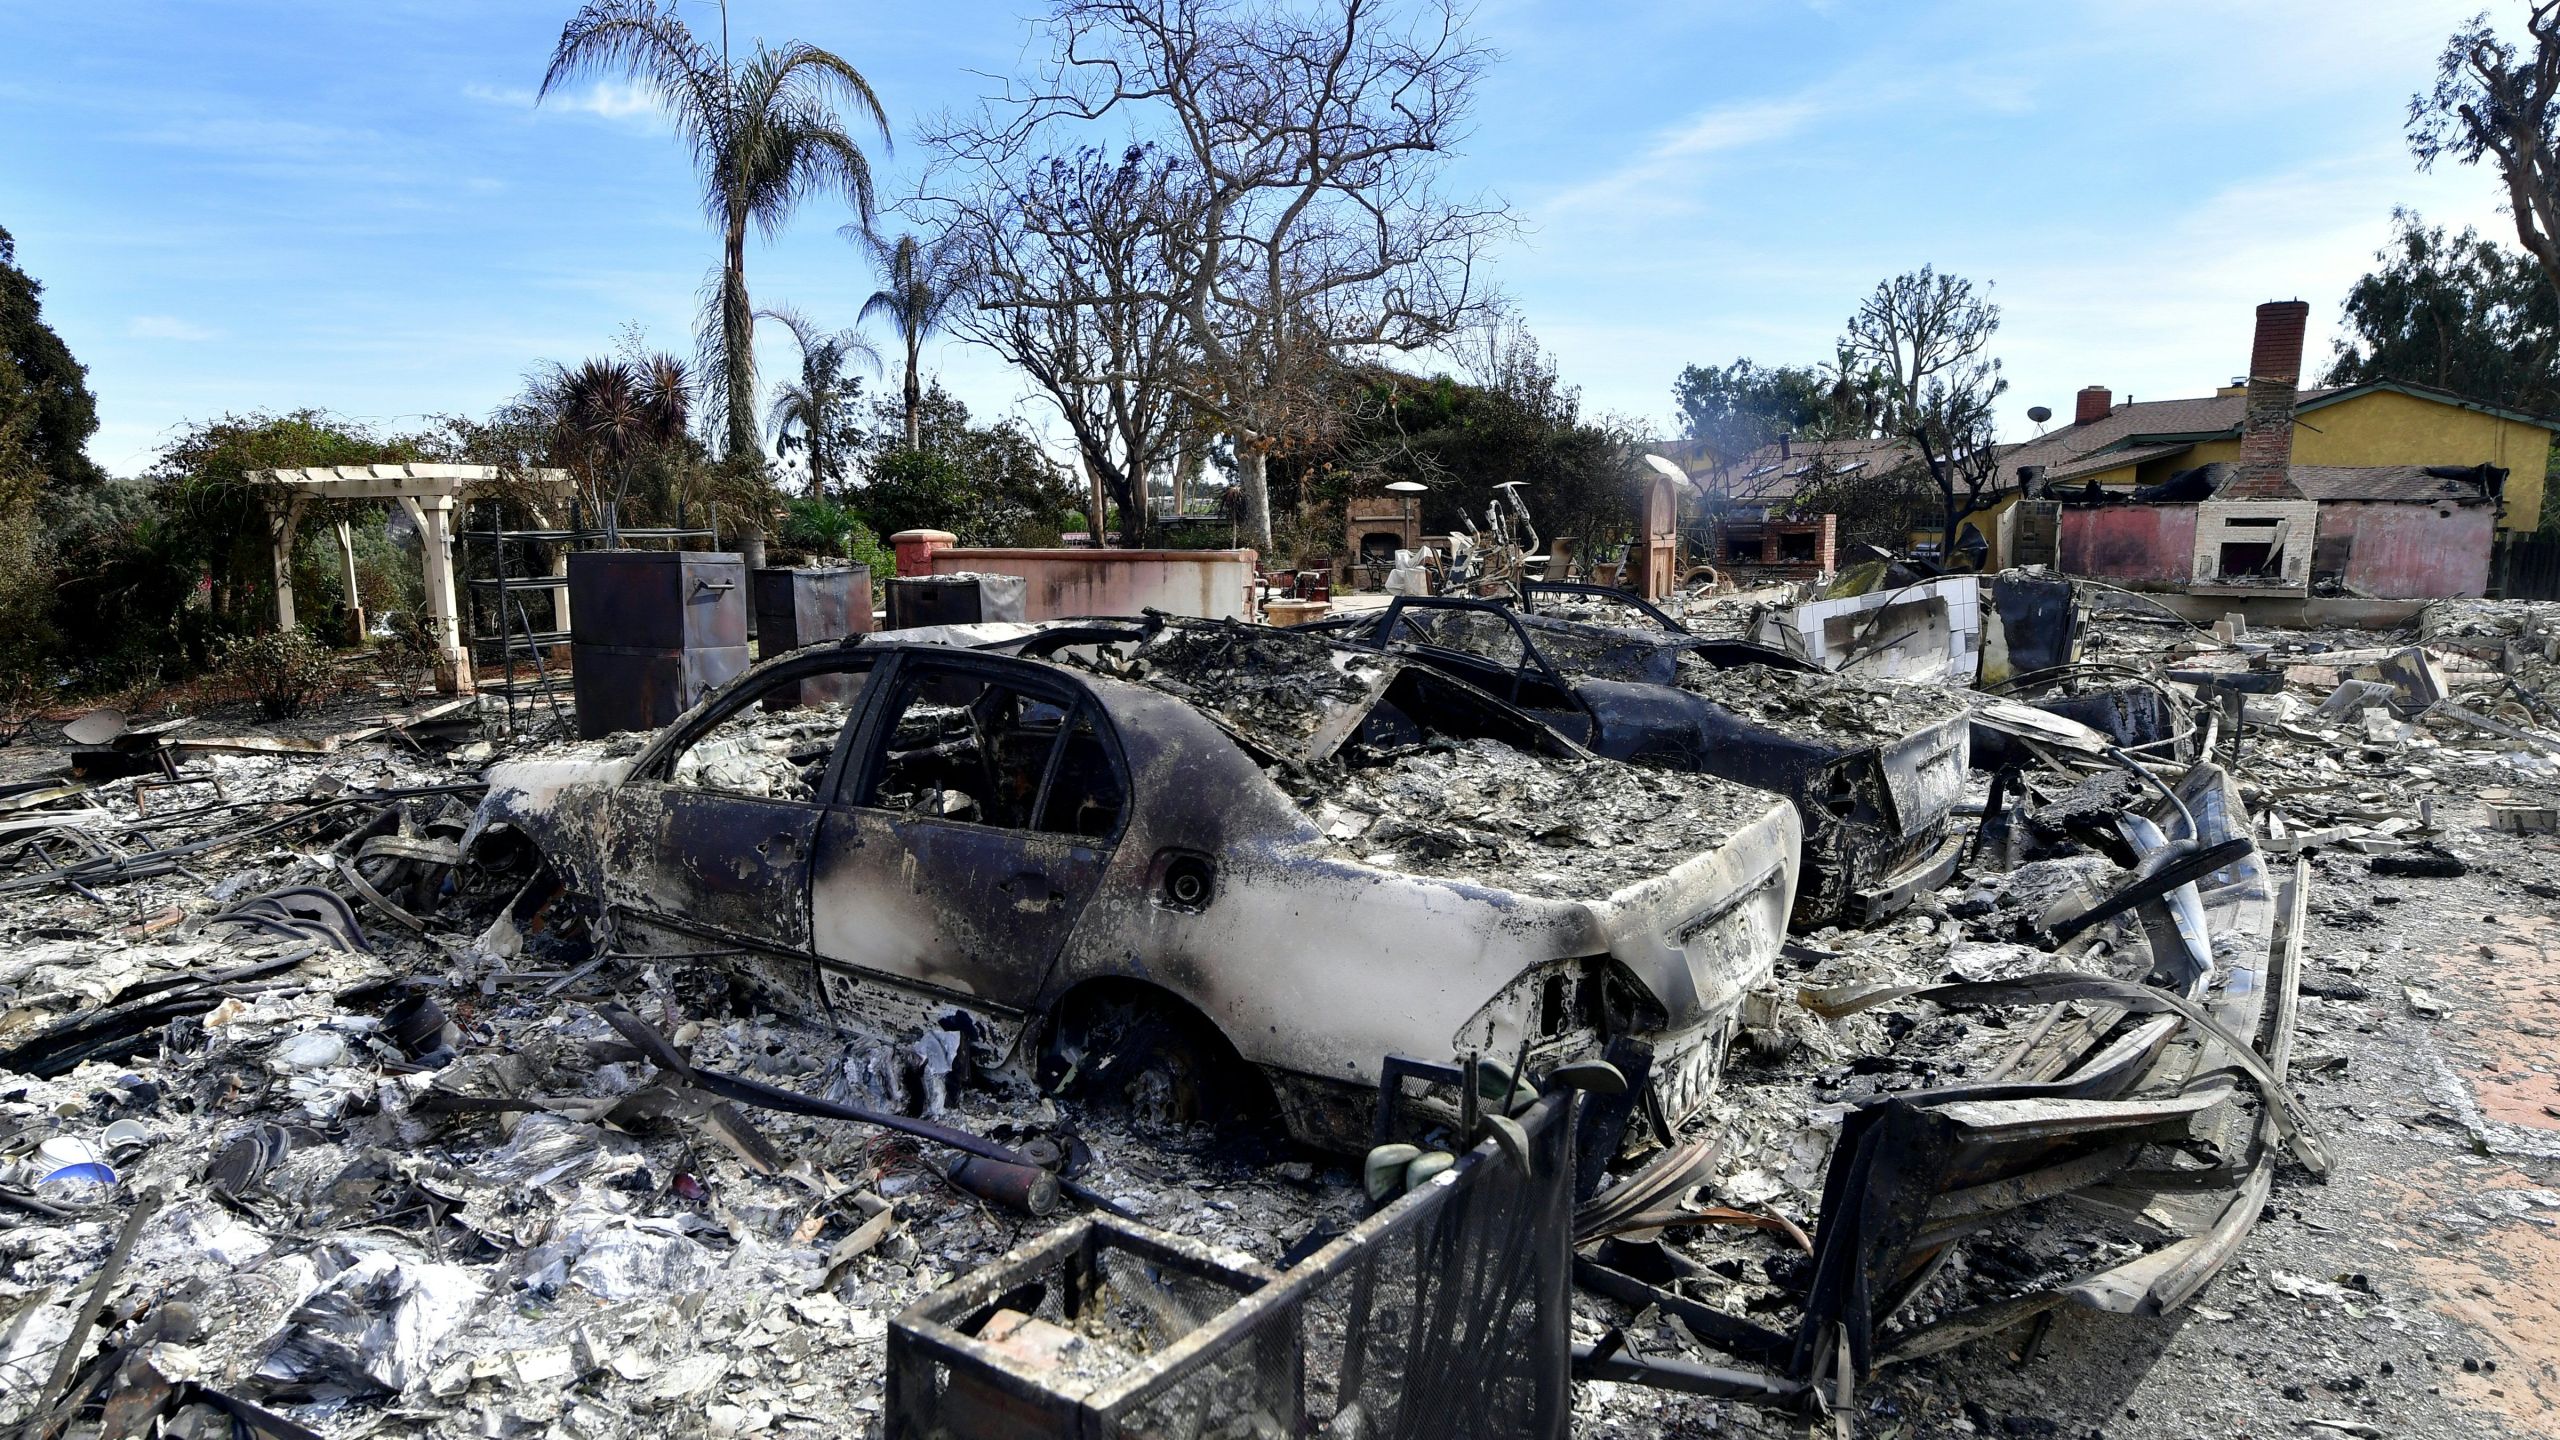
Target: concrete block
pixel 2525 819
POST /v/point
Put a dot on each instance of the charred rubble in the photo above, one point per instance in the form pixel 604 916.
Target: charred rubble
pixel 317 1119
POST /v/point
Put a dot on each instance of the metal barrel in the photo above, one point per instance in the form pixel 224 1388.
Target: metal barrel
pixel 1026 1188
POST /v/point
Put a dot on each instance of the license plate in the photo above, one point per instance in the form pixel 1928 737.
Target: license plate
pixel 1683 1078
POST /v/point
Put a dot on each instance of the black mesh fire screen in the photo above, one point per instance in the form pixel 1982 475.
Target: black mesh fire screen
pixel 1444 1314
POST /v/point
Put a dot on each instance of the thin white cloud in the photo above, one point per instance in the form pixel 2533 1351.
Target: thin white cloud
pixel 1679 154
pixel 167 327
pixel 604 100
pixel 1737 127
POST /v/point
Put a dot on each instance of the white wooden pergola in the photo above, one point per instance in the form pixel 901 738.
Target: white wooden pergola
pixel 432 495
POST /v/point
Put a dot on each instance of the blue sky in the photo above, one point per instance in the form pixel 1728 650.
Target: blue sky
pixel 357 207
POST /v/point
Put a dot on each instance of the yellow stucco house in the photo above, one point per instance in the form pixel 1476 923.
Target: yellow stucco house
pixel 2380 423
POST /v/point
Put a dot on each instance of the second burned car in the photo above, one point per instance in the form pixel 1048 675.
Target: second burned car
pixel 1874 769
pixel 1306 855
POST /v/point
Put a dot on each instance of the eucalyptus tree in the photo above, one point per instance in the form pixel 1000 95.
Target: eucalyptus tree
pixel 811 412
pixel 1925 339
pixel 767 132
pixel 2497 102
pixel 919 283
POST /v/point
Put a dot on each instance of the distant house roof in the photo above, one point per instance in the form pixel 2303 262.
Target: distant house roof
pixel 2134 432
pixel 2411 483
pixel 1771 475
pixel 2104 461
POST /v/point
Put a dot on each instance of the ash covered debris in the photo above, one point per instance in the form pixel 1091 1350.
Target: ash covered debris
pixel 380 1179
pixel 1835 708
pixel 1279 688
pixel 1479 810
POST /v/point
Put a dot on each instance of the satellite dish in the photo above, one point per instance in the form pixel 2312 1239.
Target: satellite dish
pixel 2039 413
pixel 1407 487
pixel 1665 468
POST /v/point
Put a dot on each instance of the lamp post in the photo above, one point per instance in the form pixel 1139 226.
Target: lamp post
pixel 1406 490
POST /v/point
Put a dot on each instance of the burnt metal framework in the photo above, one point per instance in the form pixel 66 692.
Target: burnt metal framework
pixel 502 631
pixel 2131 1105
pixel 1442 1314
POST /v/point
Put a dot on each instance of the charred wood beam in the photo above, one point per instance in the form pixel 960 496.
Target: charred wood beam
pixel 772 1097
pixel 1732 1334
pixel 1689 1378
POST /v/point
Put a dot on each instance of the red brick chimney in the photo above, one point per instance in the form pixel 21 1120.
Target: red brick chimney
pixel 2096 403
pixel 2266 426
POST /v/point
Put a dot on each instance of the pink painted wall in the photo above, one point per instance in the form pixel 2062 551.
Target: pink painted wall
pixel 2402 551
pixel 2135 545
pixel 1066 583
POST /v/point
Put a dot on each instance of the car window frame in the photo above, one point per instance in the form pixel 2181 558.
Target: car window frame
pixel 1532 589
pixel 861 764
pixel 655 764
pixel 1529 649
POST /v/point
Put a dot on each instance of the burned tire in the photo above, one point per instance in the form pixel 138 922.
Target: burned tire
pixel 1149 1056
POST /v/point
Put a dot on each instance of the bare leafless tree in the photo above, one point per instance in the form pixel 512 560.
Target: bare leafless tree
pixel 1314 227
pixel 1923 340
pixel 2491 100
pixel 1047 250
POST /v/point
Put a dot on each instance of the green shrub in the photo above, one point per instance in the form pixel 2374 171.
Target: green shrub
pixel 282 671
pixel 823 527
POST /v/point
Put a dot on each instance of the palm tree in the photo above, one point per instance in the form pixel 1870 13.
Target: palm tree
pixel 765 133
pixel 922 281
pixel 605 415
pixel 815 405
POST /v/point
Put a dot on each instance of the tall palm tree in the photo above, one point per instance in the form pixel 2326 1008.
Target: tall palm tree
pixel 920 284
pixel 766 134
pixel 807 412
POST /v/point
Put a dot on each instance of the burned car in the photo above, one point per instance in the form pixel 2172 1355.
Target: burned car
pixel 1873 769
pixel 1238 844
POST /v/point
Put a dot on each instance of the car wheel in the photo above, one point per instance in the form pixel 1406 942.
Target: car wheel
pixel 1162 1066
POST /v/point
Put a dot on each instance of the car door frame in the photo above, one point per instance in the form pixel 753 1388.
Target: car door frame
pixel 653 769
pixel 1383 638
pixel 856 772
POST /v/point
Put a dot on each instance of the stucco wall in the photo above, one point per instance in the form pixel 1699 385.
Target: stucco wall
pixel 1066 583
pixel 2132 545
pixel 2412 552
pixel 2387 428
